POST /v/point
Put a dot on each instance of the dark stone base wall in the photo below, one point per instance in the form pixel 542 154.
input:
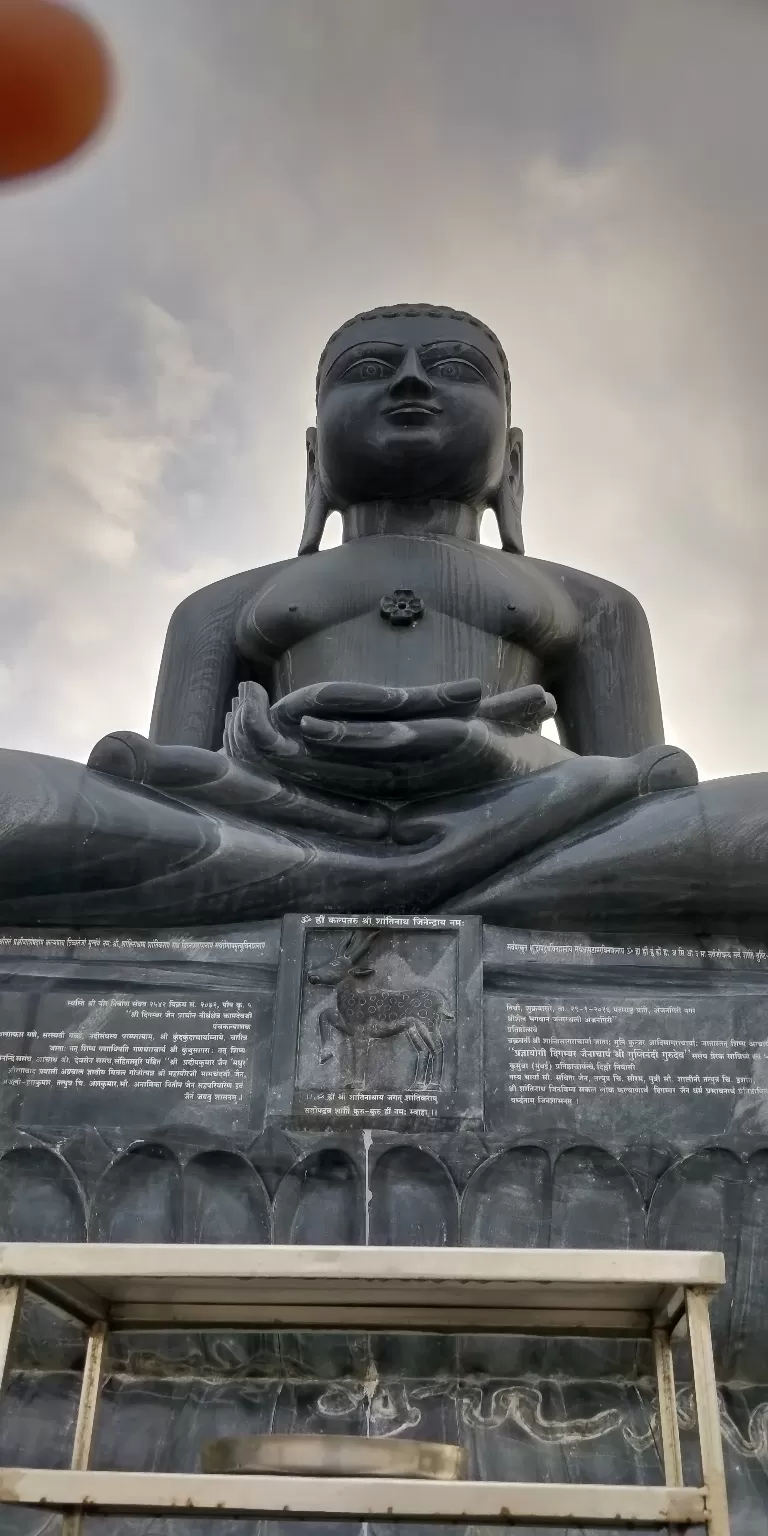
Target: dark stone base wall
pixel 547 1161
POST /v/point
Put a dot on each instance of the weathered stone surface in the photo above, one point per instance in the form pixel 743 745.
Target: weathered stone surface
pixel 367 720
pixel 358 731
pixel 648 1157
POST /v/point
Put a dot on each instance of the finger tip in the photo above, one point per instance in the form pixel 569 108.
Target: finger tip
pixel 467 691
pixel 315 728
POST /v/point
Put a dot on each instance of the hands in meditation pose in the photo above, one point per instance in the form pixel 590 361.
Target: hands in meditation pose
pixel 360 728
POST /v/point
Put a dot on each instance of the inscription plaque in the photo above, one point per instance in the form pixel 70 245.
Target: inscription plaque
pixel 617 1039
pixel 378 1020
pixel 184 1048
pixel 117 1030
pixel 378 1023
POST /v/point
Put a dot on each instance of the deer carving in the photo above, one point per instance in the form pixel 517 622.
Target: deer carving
pixel 364 1012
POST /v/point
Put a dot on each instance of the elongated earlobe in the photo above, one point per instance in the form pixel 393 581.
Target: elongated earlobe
pixel 508 501
pixel 316 504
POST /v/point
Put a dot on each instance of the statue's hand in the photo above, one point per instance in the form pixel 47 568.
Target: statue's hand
pixel 288 737
pixel 362 739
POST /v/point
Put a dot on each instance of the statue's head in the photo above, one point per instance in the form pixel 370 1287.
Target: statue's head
pixel 413 405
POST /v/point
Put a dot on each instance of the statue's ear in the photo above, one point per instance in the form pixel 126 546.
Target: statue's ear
pixel 316 504
pixel 508 501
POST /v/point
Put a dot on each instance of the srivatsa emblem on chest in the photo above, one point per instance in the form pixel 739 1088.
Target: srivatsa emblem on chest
pixel 401 607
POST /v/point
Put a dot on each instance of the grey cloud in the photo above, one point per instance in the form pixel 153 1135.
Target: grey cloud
pixel 585 174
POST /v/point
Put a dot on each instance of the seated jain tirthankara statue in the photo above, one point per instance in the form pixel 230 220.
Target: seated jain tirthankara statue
pixel 359 729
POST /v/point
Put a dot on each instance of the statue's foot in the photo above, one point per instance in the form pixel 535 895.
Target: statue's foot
pixel 213 783
pixel 115 755
pixel 126 755
pixel 664 768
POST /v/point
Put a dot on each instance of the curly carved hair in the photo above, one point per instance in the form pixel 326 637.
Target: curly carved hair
pixel 433 311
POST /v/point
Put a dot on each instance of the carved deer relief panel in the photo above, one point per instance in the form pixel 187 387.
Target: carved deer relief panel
pixel 380 1016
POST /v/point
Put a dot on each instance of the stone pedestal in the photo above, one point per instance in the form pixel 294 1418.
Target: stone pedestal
pixel 500 1088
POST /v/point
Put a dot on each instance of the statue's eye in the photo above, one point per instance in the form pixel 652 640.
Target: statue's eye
pixel 456 370
pixel 368 370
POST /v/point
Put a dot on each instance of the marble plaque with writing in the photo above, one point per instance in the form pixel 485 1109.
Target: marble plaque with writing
pixel 118 1030
pixel 616 1040
pixel 378 1022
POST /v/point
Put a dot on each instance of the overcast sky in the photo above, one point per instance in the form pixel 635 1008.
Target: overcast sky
pixel 587 176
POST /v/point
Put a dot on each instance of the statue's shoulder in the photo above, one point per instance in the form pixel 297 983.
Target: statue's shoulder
pixel 587 591
pixel 227 594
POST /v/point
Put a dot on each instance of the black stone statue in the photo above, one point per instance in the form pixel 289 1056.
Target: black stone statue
pixel 359 729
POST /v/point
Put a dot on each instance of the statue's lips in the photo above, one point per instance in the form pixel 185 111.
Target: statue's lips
pixel 412 415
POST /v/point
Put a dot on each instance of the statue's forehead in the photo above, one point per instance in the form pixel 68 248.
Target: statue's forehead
pixel 412 331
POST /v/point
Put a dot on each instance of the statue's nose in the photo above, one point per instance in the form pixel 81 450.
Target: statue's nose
pixel 410 378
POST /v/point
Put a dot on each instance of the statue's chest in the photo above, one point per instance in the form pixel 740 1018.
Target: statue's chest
pixel 402 612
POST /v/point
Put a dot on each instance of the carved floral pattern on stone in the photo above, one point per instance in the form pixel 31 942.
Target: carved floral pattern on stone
pixel 402 607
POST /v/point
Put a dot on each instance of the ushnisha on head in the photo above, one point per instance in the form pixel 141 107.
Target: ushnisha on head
pixel 413 406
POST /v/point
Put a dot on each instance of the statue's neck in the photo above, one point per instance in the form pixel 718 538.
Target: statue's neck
pixel 428 519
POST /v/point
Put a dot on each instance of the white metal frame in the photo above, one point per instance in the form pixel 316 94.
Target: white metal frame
pixel 118 1287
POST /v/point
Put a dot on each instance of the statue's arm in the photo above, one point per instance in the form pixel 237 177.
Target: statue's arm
pixel 200 669
pixel 605 683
